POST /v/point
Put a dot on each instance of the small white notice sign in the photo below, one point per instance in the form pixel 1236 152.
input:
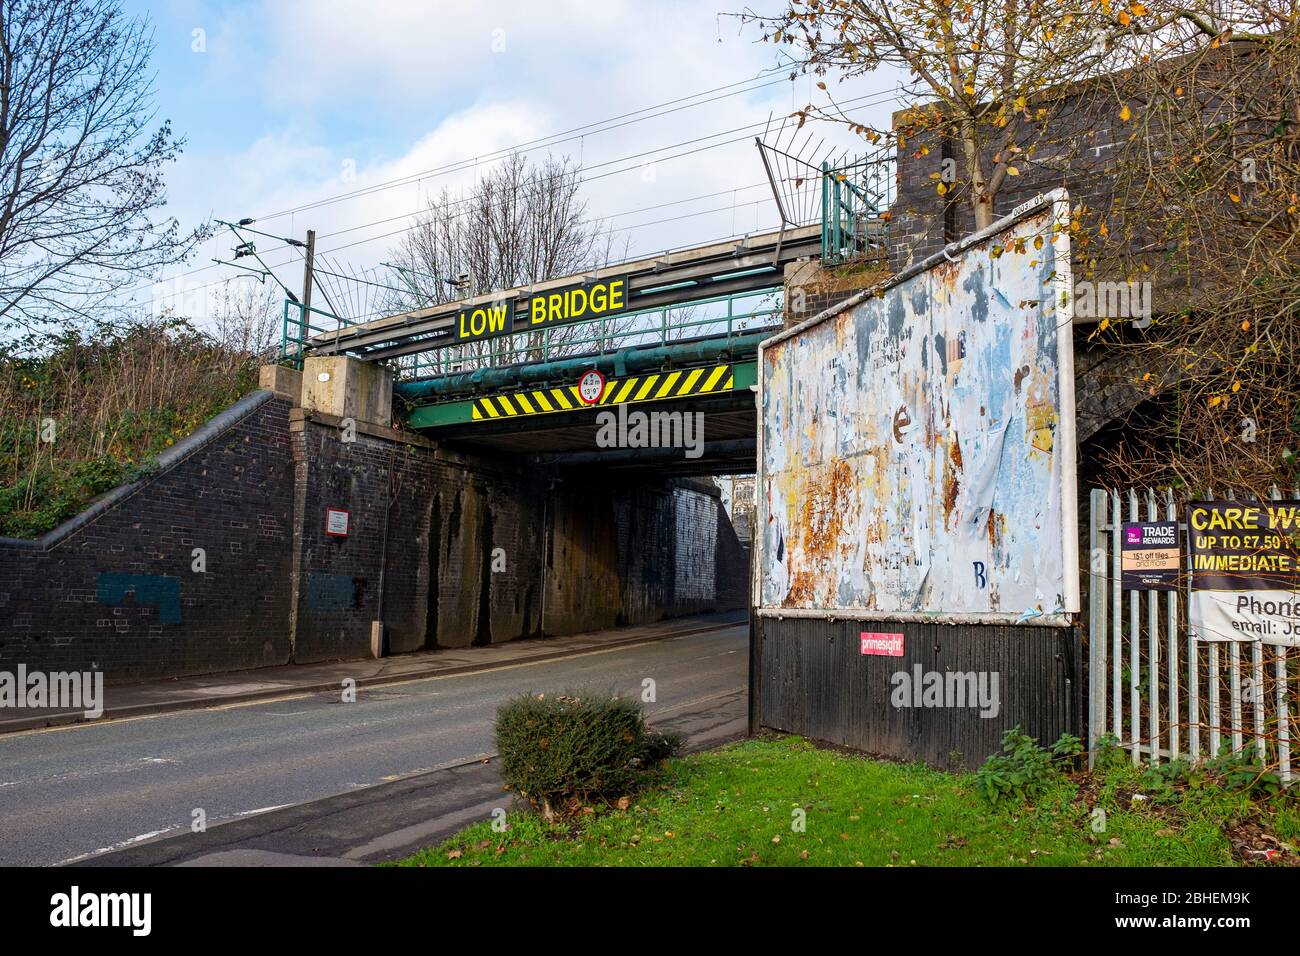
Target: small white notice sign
pixel 336 522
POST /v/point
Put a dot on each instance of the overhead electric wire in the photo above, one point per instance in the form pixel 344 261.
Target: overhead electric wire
pixel 866 100
pixel 554 139
pixel 656 222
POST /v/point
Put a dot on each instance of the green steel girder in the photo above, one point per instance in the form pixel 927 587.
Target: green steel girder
pixel 744 375
pixel 630 359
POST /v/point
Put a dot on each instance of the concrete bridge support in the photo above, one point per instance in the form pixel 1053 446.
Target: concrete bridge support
pixel 225 558
pixel 449 550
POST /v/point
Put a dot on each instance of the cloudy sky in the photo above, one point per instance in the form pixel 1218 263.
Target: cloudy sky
pixel 288 107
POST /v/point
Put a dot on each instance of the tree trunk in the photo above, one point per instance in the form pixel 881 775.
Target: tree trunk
pixel 981 202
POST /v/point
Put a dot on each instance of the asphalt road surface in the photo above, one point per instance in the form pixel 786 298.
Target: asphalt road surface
pixel 71 792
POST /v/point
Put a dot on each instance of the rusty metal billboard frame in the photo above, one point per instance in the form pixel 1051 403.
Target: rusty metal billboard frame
pixel 1057 201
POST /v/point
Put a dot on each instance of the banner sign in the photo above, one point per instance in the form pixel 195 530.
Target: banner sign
pixel 1149 556
pixel 1245 583
pixel 882 644
pixel 576 303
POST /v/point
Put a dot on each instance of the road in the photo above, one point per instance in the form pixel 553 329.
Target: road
pixel 70 792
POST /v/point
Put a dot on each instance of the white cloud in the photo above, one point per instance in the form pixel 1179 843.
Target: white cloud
pixel 363 94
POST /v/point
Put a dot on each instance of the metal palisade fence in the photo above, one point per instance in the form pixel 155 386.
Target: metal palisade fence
pixel 1157 688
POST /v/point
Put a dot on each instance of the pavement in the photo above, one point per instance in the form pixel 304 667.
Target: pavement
pixel 265 683
pixel 306 777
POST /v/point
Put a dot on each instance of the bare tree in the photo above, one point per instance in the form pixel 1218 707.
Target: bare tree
pixel 80 170
pixel 522 223
pixel 246 319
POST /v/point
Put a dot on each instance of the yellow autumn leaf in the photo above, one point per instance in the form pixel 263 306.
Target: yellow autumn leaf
pixel 1021 102
pixel 1137 9
pixel 1236 386
pixel 1012 171
pixel 970 89
pixel 1234 197
pixel 1215 400
pixel 1245 325
pixel 942 189
pixel 1124 18
pixel 1125 114
pixel 1103 230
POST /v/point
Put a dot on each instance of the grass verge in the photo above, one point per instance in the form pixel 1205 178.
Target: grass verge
pixel 740 805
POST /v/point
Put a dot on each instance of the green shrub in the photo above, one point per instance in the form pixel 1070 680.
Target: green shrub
pixel 1243 772
pixel 1023 769
pixel 557 749
pixel 1110 755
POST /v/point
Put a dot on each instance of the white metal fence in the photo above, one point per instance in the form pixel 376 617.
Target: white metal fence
pixel 1161 692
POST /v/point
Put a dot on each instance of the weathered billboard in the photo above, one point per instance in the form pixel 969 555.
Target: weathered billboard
pixel 917 444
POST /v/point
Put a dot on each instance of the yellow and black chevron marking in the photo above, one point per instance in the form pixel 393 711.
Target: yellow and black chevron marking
pixel 637 388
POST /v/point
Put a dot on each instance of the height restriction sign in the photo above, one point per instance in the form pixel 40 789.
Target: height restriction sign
pixel 591 387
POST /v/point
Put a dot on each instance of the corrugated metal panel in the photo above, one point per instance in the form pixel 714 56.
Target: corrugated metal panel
pixel 917 448
pixel 814 681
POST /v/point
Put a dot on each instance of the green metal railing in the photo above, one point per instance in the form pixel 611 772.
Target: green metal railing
pixel 724 316
pixel 297 329
pixel 720 316
pixel 855 199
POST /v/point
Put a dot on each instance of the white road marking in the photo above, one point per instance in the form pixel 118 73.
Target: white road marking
pixel 118 846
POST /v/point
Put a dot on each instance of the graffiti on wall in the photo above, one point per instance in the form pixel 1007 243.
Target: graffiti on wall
pixel 917 448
